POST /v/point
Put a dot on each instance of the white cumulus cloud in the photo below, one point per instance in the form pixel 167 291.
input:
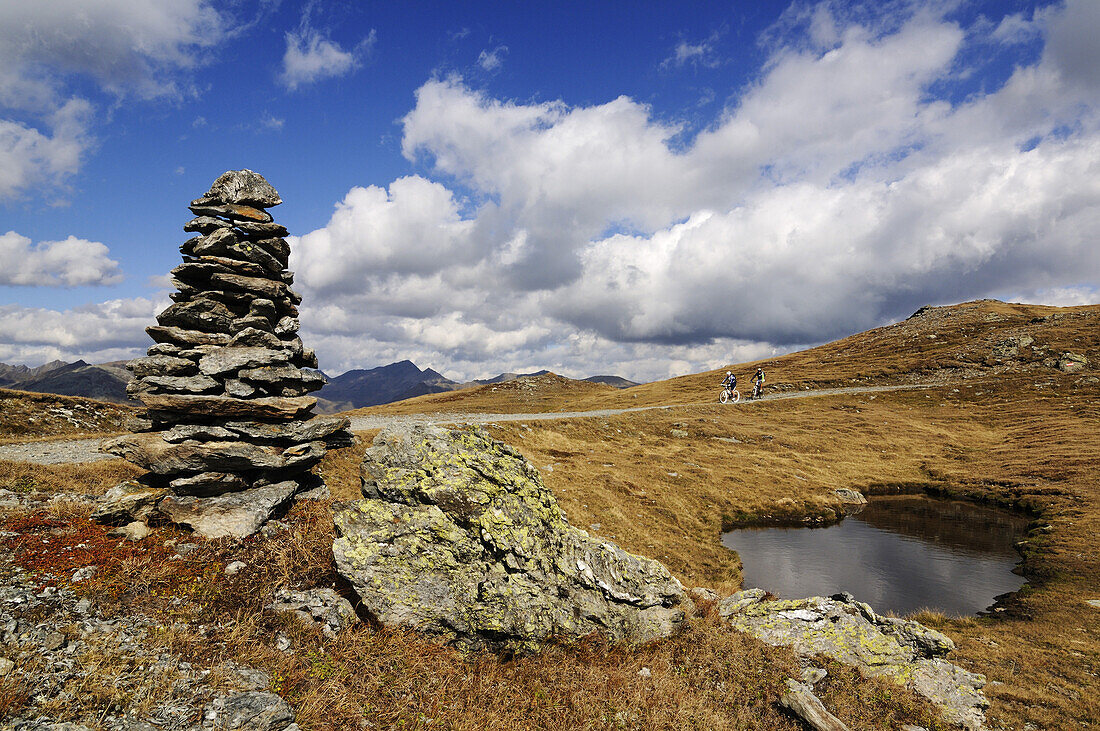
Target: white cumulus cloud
pixel 30 157
pixel 138 48
pixel 834 193
pixel 311 57
pixel 69 263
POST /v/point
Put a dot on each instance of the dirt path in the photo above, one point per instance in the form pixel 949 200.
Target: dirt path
pixel 87 450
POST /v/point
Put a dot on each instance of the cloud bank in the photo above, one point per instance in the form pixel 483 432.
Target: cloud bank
pixel 860 175
pixel 97 333
pixel 834 194
pixel 127 48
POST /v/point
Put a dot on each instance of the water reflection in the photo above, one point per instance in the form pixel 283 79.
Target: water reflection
pixel 899 554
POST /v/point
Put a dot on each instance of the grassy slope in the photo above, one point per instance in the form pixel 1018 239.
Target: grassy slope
pixel 25 415
pixel 665 483
pixel 1014 430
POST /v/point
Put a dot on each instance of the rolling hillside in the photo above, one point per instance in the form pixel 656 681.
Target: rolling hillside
pixel 1002 405
pixel 999 403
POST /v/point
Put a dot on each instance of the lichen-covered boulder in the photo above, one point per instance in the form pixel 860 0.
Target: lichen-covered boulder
pixel 458 537
pixel 850 632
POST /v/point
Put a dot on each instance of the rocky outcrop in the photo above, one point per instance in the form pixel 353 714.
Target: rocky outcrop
pixel 228 435
pixel 850 632
pixel 457 536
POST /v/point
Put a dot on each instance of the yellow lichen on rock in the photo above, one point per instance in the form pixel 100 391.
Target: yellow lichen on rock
pixel 850 632
pixel 457 536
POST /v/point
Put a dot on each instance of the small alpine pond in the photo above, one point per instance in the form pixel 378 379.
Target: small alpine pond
pixel 899 554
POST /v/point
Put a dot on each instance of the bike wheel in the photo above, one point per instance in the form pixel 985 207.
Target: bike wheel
pixel 724 397
pixel 735 397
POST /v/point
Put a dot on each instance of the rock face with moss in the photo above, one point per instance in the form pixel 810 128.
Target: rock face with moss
pixel 851 632
pixel 227 437
pixel 457 536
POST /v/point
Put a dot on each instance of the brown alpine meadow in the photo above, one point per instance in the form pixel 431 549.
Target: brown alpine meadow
pixel 994 403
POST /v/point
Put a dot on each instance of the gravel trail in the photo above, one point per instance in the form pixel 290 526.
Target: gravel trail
pixel 56 451
pixel 69 451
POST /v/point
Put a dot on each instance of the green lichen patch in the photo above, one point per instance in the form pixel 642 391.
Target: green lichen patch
pixel 458 536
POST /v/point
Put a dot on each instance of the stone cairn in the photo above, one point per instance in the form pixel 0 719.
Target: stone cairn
pixel 228 438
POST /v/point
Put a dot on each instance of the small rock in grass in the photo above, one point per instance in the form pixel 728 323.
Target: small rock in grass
pixel 812 676
pixel 134 531
pixel 645 672
pixel 851 633
pixel 234 568
pixel 323 607
pixel 251 711
pixel 253 679
pixel 83 574
pixel 800 700
pixel 848 495
pixel 282 644
pixel 701 592
pixel 6 666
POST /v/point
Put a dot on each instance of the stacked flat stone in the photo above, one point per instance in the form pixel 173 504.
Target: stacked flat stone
pixel 229 437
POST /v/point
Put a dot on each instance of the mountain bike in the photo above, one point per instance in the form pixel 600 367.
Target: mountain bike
pixel 729 395
pixel 757 391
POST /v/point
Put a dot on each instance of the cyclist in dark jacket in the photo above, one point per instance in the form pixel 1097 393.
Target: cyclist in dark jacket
pixel 758 382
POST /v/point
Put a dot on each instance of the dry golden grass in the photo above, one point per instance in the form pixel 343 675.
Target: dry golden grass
pixel 527 395
pixel 707 677
pixel 92 478
pixel 666 483
pixel 340 467
pixel 1013 431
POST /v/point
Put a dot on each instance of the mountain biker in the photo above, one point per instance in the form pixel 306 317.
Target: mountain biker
pixel 730 382
pixel 758 381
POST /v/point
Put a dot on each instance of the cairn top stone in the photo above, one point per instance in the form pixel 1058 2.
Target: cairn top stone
pixel 243 187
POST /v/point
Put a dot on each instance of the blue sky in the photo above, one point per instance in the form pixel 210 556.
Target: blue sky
pixel 645 189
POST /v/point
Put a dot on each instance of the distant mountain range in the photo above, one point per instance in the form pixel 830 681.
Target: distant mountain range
pixel 106 381
pixel 351 390
pixel 398 381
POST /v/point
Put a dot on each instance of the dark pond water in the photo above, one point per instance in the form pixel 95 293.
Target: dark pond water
pixel 899 554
